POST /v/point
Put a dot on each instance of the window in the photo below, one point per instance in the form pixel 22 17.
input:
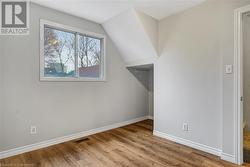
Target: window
pixel 89 56
pixel 69 54
pixel 59 53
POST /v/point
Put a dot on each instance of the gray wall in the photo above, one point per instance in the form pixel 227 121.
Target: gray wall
pixel 1 92
pixel 62 108
pixel 151 92
pixel 246 70
pixel 190 86
pixel 145 75
pixel 227 51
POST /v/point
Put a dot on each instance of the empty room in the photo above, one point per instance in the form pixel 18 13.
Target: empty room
pixel 110 83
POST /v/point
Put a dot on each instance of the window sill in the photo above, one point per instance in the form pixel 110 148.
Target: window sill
pixel 49 79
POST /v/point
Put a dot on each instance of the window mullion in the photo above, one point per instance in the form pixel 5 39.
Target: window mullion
pixel 77 55
pixel 59 66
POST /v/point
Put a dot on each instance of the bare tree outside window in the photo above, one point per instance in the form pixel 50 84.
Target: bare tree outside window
pixel 89 56
pixel 59 52
pixel 70 54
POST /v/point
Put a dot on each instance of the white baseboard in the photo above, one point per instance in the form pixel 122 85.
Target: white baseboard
pixel 228 157
pixel 151 117
pixel 43 144
pixel 189 143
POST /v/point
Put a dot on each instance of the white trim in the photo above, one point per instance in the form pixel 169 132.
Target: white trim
pixel 228 157
pixel 238 85
pixel 140 62
pixel 189 143
pixel 77 31
pixel 47 143
pixel 70 28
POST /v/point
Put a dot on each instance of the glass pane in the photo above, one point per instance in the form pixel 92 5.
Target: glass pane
pixel 89 57
pixel 59 53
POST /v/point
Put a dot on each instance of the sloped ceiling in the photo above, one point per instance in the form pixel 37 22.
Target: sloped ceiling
pixel 101 11
pixel 131 24
pixel 135 43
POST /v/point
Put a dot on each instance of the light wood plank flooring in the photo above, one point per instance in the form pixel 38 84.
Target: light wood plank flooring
pixel 246 147
pixel 129 146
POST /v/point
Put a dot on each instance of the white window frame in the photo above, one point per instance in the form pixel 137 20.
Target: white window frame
pixel 66 28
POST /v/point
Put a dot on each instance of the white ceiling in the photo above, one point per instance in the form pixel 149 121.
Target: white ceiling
pixel 101 11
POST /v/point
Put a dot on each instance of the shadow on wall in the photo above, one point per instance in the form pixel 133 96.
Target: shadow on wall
pixel 144 74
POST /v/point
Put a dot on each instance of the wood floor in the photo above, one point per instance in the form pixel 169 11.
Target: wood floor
pixel 129 146
pixel 246 147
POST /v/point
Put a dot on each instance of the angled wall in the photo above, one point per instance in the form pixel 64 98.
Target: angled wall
pixel 150 26
pixel 137 44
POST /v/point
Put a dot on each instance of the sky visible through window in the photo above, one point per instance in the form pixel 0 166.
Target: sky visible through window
pixel 60 51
